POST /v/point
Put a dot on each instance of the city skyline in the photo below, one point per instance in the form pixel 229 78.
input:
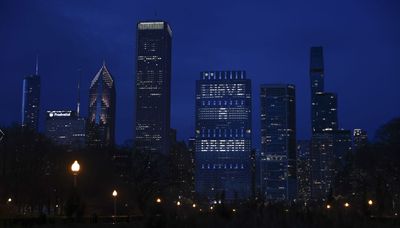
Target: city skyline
pixel 349 112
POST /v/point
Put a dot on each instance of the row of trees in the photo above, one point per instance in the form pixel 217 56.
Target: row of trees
pixel 35 174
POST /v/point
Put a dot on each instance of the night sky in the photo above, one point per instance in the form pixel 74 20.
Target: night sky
pixel 269 39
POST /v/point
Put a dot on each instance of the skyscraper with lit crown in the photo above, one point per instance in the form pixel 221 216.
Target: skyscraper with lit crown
pixel 153 86
pixel 101 116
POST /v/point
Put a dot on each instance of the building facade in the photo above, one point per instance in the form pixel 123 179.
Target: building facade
pixel 223 135
pixel 278 142
pixel 65 128
pixel 304 170
pixel 153 86
pixel 101 116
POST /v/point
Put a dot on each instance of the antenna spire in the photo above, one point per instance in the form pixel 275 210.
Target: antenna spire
pixel 37 65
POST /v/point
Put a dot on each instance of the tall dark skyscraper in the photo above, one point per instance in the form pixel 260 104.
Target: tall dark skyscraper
pixel 31 100
pixel 278 141
pixel 323 105
pixel 328 144
pixel 153 86
pixel 101 117
pixel 223 135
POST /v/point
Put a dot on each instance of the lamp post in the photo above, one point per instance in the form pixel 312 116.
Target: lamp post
pixel 75 167
pixel 115 194
pixel 370 202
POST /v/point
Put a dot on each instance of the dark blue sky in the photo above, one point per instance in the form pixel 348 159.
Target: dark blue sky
pixel 269 39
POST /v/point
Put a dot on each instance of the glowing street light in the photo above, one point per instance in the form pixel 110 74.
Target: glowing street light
pixel 234 210
pixel 158 200
pixel 115 194
pixel 328 206
pixel 194 205
pixel 370 202
pixel 9 200
pixel 346 205
pixel 75 167
pixel 178 203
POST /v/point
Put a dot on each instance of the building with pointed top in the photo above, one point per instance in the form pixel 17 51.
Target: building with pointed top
pixel 101 115
pixel 31 100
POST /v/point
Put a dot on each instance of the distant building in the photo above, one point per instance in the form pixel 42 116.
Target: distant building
pixel 31 101
pixel 278 141
pixel 223 135
pixel 181 167
pixel 328 156
pixel 360 138
pixel 304 170
pixel 101 117
pixel 65 128
pixel 153 86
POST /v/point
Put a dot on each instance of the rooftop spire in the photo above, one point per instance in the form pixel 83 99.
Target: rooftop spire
pixel 37 65
pixel 104 62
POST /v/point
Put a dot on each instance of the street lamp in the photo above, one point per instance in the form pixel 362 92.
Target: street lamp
pixel 328 206
pixel 346 205
pixel 9 200
pixel 370 202
pixel 158 200
pixel 75 167
pixel 115 194
pixel 178 203
pixel 194 205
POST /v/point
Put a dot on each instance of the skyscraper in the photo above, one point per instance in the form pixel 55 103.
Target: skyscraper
pixel 31 100
pixel 278 141
pixel 101 117
pixel 303 170
pixel 153 86
pixel 323 106
pixel 223 135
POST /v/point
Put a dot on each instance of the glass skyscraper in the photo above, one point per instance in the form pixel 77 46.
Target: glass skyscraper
pixel 101 117
pixel 278 142
pixel 223 135
pixel 153 86
pixel 31 101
